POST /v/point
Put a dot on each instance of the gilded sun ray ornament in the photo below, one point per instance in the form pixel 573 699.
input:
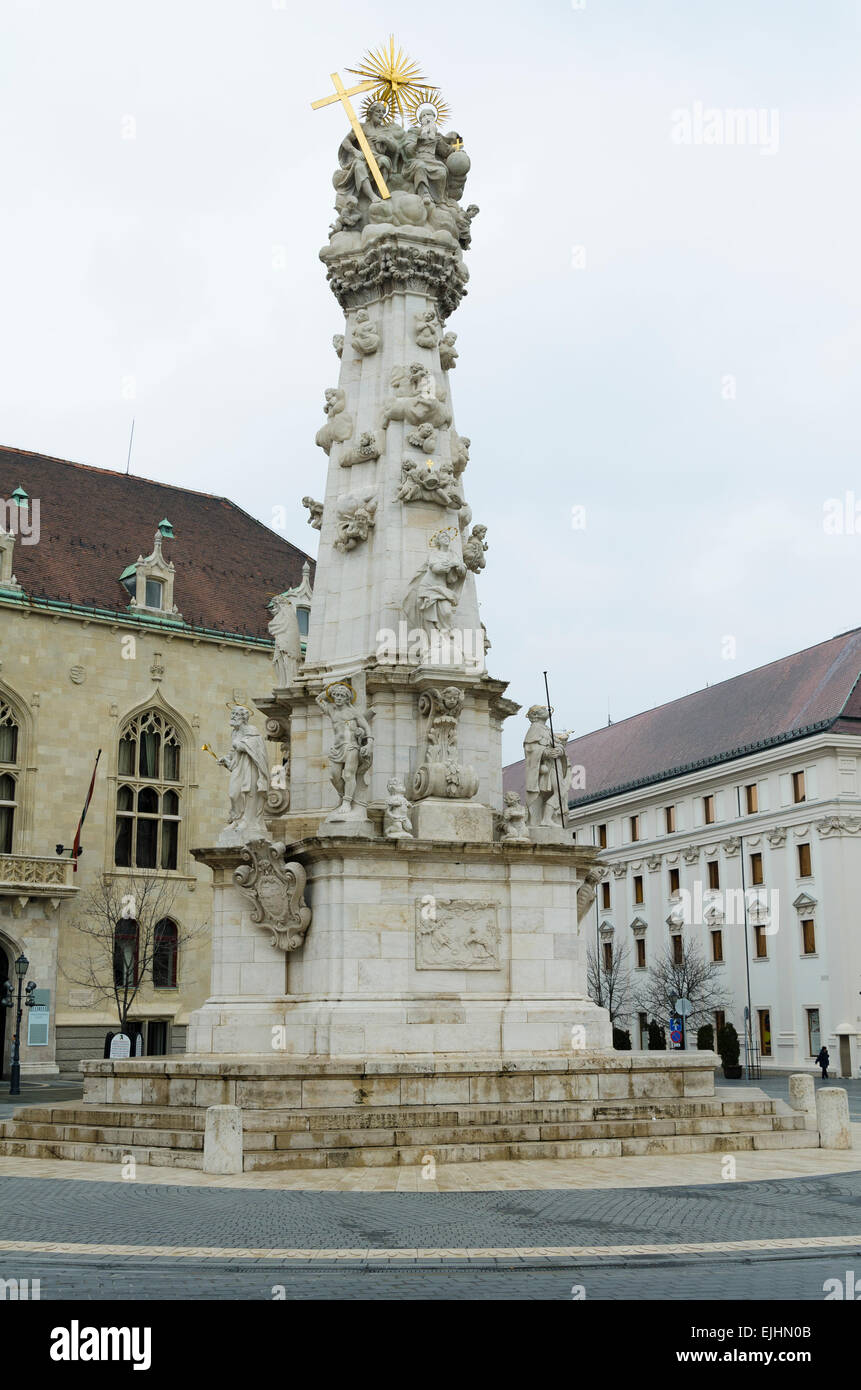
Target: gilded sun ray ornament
pixel 427 96
pixel 396 75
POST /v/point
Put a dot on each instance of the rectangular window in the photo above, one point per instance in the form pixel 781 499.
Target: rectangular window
pixel 714 873
pixel 756 868
pixel 798 790
pixel 154 590
pixel 638 888
pixel 814 1035
pixel 635 827
pixel 808 937
pixel 764 1016
pixel 602 836
pixel 708 810
pixel 717 946
pixel 751 798
pixel 760 943
pixel 804 869
pixel 641 952
pixel 674 881
pixel 670 819
pixel 678 950
pixel 607 948
pixel 605 895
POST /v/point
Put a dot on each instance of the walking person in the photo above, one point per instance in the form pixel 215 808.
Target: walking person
pixel 822 1061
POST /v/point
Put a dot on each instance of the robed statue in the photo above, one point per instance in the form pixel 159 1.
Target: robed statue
pixel 248 765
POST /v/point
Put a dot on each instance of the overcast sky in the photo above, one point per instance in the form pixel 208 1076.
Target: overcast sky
pixel 666 334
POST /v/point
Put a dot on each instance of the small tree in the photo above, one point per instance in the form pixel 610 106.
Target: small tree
pixel 119 922
pixel 621 1040
pixel 657 1037
pixel 728 1047
pixel 684 975
pixel 609 985
pixel 705 1038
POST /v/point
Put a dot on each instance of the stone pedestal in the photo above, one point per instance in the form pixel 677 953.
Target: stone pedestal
pixel 222 1140
pixel 411 951
pixel 832 1113
pixel 802 1097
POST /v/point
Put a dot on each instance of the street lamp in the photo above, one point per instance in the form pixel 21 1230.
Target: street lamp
pixel 22 965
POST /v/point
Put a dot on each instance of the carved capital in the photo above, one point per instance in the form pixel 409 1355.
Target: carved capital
pixel 391 262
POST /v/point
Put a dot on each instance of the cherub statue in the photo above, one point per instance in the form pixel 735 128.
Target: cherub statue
pixel 427 328
pixel 356 520
pixel 338 343
pixel 365 337
pixel 448 353
pixel 396 819
pixel 423 437
pixel 339 424
pixel 352 750
pixel 366 450
pixel 248 765
pixel 459 452
pixel 474 548
pixel 315 510
pixel 421 482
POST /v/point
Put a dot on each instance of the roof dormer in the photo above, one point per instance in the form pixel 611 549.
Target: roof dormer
pixel 149 580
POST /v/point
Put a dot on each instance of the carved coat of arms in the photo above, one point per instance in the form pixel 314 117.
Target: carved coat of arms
pixel 276 891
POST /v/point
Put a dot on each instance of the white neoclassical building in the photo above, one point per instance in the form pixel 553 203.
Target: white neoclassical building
pixel 742 795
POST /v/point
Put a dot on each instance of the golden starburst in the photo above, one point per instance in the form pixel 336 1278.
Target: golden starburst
pixel 396 75
pixel 427 96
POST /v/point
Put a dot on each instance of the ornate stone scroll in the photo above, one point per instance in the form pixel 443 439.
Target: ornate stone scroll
pixel 440 772
pixel 276 890
pixel 456 935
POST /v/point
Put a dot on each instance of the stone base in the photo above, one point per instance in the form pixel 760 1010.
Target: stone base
pixel 354 827
pixel 362 1027
pixel 308 1112
pixel 452 820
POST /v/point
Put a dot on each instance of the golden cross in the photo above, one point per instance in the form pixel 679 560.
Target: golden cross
pixel 343 95
pixel 457 144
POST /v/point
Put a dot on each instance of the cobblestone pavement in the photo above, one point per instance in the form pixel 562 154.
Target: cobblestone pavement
pixel 55 1211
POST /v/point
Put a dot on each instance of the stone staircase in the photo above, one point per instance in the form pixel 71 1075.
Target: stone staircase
pixel 305 1114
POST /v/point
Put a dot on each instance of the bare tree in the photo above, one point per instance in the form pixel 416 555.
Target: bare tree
pixel 608 981
pixel 690 976
pixel 120 922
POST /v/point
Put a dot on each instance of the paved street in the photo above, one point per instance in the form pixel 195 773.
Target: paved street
pixel 111 1215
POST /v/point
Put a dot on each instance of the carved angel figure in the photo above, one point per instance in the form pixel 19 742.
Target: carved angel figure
pixel 366 450
pixel 356 520
pixel 474 548
pixel 514 820
pixel 365 337
pixel 284 628
pixel 427 328
pixel 339 424
pixel 448 353
pixel 423 437
pixel 397 824
pixel 315 512
pixel 424 482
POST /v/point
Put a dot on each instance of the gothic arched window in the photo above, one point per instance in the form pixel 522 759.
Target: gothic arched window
pixel 9 776
pixel 164 954
pixel 149 790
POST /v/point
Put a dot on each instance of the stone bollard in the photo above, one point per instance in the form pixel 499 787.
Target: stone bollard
pixel 222 1140
pixel 802 1097
pixel 832 1114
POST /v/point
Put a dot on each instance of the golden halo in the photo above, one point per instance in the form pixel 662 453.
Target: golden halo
pixel 444 531
pixel 396 75
pixel 347 684
pixel 427 96
pixel 378 98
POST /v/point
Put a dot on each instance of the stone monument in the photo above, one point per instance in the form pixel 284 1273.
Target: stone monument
pixel 389 934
